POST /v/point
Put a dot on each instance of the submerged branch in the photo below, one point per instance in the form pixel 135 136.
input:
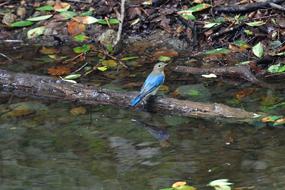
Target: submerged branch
pixel 23 85
pixel 242 71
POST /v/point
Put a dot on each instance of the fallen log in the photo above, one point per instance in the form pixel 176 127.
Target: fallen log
pixel 23 85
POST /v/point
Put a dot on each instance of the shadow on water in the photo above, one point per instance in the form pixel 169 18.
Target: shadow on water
pixel 46 145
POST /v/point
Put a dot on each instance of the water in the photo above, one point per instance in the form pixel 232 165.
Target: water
pixel 46 147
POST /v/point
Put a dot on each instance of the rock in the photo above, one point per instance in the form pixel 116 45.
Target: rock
pixel 108 37
pixel 21 12
pixel 9 18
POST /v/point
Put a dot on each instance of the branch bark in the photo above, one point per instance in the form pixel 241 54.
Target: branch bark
pixel 24 85
pixel 246 8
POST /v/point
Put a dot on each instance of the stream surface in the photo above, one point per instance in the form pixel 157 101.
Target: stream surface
pixel 62 145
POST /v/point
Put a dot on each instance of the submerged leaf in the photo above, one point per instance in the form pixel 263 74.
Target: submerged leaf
pixel 110 63
pixel 45 8
pixel 35 32
pixel 111 21
pixel 278 68
pixel 61 6
pixel 86 19
pixel 68 14
pixel 255 23
pixel 104 68
pixel 217 51
pixel 39 18
pixel 72 76
pixel 258 50
pixel 164 58
pixel 82 49
pixel 80 38
pixel 22 23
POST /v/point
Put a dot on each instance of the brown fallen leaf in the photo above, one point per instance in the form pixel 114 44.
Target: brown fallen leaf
pixel 244 93
pixel 61 6
pixel 59 70
pixel 75 28
pixel 78 111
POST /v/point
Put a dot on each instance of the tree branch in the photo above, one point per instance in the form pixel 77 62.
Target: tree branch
pixel 23 85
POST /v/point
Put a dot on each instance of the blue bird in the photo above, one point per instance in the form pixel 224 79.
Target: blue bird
pixel 151 84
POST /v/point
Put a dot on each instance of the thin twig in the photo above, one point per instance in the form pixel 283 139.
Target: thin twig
pixel 276 6
pixel 5 56
pixel 119 34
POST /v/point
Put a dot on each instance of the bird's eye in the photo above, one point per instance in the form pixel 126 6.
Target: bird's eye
pixel 159 65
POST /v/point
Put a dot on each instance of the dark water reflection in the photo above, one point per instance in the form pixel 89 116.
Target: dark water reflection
pixel 108 148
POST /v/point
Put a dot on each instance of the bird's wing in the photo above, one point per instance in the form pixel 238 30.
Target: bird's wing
pixel 152 82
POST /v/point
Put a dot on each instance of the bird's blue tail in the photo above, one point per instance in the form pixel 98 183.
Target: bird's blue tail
pixel 136 100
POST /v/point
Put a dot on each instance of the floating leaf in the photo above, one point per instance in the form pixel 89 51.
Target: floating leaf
pixel 68 14
pixel 129 58
pixel 209 76
pixel 255 23
pixel 220 184
pixel 22 23
pixel 104 68
pixel 86 19
pixel 39 18
pixel 109 63
pixel 80 38
pixel 277 68
pixel 72 77
pixel 164 58
pixel 217 51
pixel 45 8
pixel 58 70
pixel 111 21
pixel 258 50
pixel 35 32
pixel 61 6
pixel 83 49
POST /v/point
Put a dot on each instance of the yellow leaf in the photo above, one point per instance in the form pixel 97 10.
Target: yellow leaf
pixel 178 184
pixel 110 63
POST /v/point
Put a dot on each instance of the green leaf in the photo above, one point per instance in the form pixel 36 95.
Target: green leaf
pixel 167 189
pixel 278 68
pixel 68 14
pixel 255 23
pixel 110 48
pixel 217 51
pixel 199 7
pixel 248 32
pixel 80 38
pixel 129 58
pixel 187 15
pixel 39 18
pixel 83 49
pixel 103 68
pixel 87 13
pixel 241 43
pixel 35 32
pixel 45 8
pixel 258 50
pixel 22 23
pixel 112 21
pixel 164 58
pixel 72 76
pixel 211 24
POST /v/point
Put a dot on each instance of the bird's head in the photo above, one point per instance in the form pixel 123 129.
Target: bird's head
pixel 159 66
